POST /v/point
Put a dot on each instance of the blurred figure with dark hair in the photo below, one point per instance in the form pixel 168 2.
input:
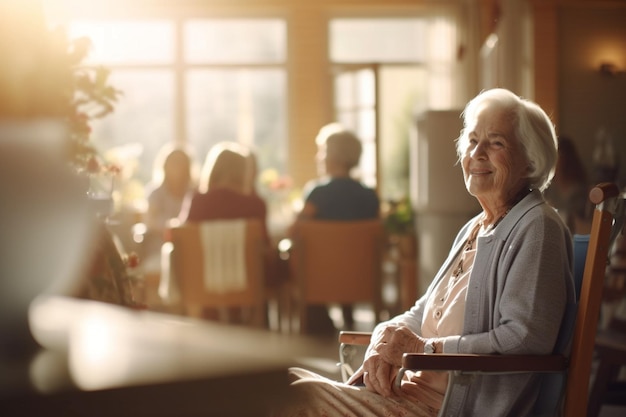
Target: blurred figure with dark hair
pixel 568 192
pixel 172 182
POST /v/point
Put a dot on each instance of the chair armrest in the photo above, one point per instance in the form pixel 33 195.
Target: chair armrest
pixel 485 363
pixel 349 351
pixel 355 338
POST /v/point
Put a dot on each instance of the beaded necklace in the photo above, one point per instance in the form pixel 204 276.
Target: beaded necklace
pixel 469 243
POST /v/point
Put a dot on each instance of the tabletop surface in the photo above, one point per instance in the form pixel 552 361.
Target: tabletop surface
pixel 103 359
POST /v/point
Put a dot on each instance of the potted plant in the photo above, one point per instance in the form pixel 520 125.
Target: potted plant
pixel 399 220
pixel 47 101
pixel 42 77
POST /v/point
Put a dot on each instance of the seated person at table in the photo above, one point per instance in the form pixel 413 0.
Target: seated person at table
pixel 335 195
pixel 505 288
pixel 171 183
pixel 223 190
pixel 224 193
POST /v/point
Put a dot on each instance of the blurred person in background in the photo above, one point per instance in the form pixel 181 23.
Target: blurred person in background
pixel 225 192
pixel 172 182
pixel 569 190
pixel 336 195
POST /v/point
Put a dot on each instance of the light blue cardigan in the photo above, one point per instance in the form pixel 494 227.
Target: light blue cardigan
pixel 520 292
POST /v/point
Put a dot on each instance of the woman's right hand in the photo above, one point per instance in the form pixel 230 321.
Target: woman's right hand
pixel 396 340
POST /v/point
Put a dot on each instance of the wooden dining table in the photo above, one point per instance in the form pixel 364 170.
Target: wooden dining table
pixel 98 359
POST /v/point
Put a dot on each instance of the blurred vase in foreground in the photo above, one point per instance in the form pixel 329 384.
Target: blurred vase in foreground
pixel 47 101
pixel 45 222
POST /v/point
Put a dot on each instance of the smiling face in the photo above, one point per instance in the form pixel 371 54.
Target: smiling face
pixel 494 163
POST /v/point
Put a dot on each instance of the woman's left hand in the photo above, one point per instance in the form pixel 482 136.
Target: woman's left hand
pixel 379 375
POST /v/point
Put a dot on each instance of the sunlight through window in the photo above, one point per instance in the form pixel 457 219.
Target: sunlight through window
pixel 126 41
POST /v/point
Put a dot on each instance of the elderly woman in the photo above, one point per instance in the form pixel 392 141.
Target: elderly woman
pixel 505 288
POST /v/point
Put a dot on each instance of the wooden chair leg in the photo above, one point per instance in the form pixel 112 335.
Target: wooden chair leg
pixel 151 288
pixel 289 303
pixel 260 317
pixel 194 310
pixel 605 373
pixel 302 318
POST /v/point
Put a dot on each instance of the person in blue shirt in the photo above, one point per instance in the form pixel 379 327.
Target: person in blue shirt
pixel 336 195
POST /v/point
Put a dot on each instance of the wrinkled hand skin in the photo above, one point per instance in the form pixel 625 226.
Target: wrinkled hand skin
pixel 394 341
pixel 379 375
pixel 384 358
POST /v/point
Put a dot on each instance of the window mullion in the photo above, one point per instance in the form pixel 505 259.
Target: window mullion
pixel 180 122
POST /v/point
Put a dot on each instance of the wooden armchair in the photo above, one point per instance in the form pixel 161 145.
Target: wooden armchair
pixel 610 347
pixel 611 355
pixel 187 251
pixel 574 371
pixel 336 262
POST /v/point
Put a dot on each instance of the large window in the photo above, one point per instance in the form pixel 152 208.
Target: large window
pixel 386 70
pixel 237 93
pixel 246 106
pixel 355 107
pixel 181 83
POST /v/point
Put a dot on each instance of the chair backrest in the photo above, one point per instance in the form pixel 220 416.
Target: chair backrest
pixel 553 386
pixel 338 262
pixel 190 268
pixel 581 245
pixel 606 198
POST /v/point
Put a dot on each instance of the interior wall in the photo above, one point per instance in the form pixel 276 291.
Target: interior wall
pixel 588 100
pixel 513 59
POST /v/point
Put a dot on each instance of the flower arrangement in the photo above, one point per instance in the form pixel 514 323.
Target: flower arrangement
pixel 399 221
pixel 100 186
pixel 93 98
pixel 282 198
pixel 42 77
pixel 276 188
pixel 399 217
